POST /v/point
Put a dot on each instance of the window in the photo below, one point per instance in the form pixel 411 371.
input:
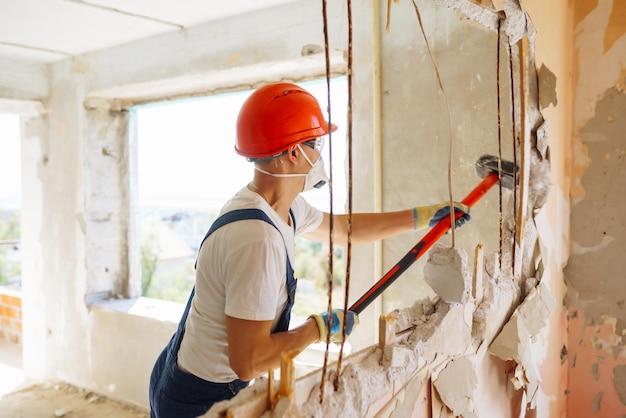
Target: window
pixel 188 169
pixel 10 200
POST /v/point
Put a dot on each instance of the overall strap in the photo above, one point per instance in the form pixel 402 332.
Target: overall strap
pixel 225 219
pixel 239 215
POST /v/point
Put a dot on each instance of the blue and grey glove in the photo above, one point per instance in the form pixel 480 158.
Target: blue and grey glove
pixel 336 325
pixel 432 214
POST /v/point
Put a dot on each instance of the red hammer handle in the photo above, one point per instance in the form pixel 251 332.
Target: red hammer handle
pixel 422 246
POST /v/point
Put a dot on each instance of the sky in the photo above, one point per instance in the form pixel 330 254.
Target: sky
pixel 187 150
pixel 10 162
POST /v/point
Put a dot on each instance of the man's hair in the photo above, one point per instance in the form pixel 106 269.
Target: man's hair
pixel 266 159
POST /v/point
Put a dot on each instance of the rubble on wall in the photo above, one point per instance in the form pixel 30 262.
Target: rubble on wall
pixel 440 345
pixel 514 341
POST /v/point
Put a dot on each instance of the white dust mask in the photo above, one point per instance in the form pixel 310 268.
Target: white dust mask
pixel 315 178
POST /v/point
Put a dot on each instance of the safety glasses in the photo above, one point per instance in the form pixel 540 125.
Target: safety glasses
pixel 317 144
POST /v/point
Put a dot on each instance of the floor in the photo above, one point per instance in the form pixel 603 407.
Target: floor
pixel 22 398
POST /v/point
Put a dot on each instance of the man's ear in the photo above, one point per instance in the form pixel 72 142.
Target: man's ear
pixel 292 153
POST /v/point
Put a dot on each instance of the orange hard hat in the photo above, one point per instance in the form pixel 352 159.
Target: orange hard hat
pixel 277 116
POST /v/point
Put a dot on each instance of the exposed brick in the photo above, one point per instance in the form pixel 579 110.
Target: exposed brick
pixel 10 313
pixel 10 316
pixel 7 299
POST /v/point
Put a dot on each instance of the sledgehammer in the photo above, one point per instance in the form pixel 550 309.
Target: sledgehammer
pixel 487 169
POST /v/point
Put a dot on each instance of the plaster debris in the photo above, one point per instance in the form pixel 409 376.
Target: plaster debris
pixel 500 296
pixel 514 341
pixel 457 385
pixel 447 274
pixel 527 320
pixel 473 12
pixel 372 377
pixel 513 21
pixel 415 315
pixel 517 23
pixel 445 333
pixel 539 182
pixel 361 385
pixel 397 356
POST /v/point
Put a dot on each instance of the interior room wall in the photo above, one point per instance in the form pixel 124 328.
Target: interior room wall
pixel 594 272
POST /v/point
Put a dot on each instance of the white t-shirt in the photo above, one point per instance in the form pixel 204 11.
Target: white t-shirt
pixel 241 272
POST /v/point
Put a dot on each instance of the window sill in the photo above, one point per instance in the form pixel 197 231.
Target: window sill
pixel 160 310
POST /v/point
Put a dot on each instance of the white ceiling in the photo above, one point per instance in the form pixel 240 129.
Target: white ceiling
pixel 51 30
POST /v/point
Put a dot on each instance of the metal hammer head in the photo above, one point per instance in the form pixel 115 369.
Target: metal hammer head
pixel 488 164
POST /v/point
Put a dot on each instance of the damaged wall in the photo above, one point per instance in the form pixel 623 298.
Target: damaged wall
pixel 417 132
pixel 506 336
pixel 595 272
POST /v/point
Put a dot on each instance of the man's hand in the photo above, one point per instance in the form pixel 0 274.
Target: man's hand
pixel 336 324
pixel 431 215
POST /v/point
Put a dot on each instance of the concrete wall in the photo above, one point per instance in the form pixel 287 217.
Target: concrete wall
pixel 595 271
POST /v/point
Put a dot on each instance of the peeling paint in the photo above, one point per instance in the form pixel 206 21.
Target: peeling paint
pixel 547 87
pixel 619 381
pixel 595 406
pixel 598 231
pixel 594 372
pixel 615 28
pixel 597 374
pixel 582 10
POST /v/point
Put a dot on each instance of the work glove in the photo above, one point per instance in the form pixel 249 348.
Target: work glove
pixel 432 214
pixel 336 325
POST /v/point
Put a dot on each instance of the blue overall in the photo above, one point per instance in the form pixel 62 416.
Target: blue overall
pixel 178 394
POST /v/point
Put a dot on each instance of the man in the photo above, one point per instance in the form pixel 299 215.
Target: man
pixel 236 323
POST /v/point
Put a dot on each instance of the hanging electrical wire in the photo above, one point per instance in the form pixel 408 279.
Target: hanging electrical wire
pixel 499 40
pixel 515 137
pixel 331 212
pixel 445 98
pixel 349 226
